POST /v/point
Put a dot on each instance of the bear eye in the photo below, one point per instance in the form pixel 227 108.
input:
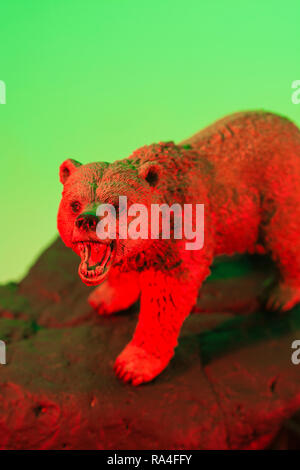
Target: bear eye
pixel 75 206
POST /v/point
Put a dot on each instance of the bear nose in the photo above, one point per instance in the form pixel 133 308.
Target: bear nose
pixel 87 221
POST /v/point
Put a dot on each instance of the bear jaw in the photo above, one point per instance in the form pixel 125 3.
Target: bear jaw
pixel 96 260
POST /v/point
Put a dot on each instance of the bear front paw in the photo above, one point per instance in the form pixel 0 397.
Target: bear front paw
pixel 135 365
pixel 103 300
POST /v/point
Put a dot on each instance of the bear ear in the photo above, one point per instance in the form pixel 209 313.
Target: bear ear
pixel 150 172
pixel 67 168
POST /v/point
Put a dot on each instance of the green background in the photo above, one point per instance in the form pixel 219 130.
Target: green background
pixel 94 80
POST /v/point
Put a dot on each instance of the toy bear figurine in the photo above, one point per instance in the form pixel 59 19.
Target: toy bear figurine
pixel 245 169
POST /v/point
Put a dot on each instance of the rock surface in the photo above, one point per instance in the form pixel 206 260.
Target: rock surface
pixel 230 385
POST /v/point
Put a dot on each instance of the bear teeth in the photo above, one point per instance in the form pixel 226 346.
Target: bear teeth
pixel 99 270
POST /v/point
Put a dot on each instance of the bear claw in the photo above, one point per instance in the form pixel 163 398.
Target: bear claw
pixel 136 366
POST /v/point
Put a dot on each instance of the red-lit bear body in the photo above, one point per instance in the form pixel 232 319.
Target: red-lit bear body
pixel 245 169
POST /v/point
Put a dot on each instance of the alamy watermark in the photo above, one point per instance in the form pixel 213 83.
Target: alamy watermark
pixel 2 92
pixel 164 221
pixel 295 358
pixel 296 93
pixel 2 352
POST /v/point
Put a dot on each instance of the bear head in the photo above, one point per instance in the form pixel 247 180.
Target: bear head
pixel 88 187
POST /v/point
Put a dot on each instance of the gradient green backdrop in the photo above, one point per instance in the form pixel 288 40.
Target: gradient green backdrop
pixel 96 79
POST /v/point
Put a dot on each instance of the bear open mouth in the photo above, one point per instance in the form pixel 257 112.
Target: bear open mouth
pixel 96 260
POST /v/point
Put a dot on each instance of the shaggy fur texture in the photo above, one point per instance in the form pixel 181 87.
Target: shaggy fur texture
pixel 245 169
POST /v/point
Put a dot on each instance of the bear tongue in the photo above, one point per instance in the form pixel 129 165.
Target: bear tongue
pixel 96 252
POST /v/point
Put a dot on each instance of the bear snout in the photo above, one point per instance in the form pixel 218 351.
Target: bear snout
pixel 86 222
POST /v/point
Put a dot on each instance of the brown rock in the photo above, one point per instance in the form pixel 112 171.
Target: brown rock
pixel 231 383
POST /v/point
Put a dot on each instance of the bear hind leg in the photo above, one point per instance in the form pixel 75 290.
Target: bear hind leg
pixel 283 241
